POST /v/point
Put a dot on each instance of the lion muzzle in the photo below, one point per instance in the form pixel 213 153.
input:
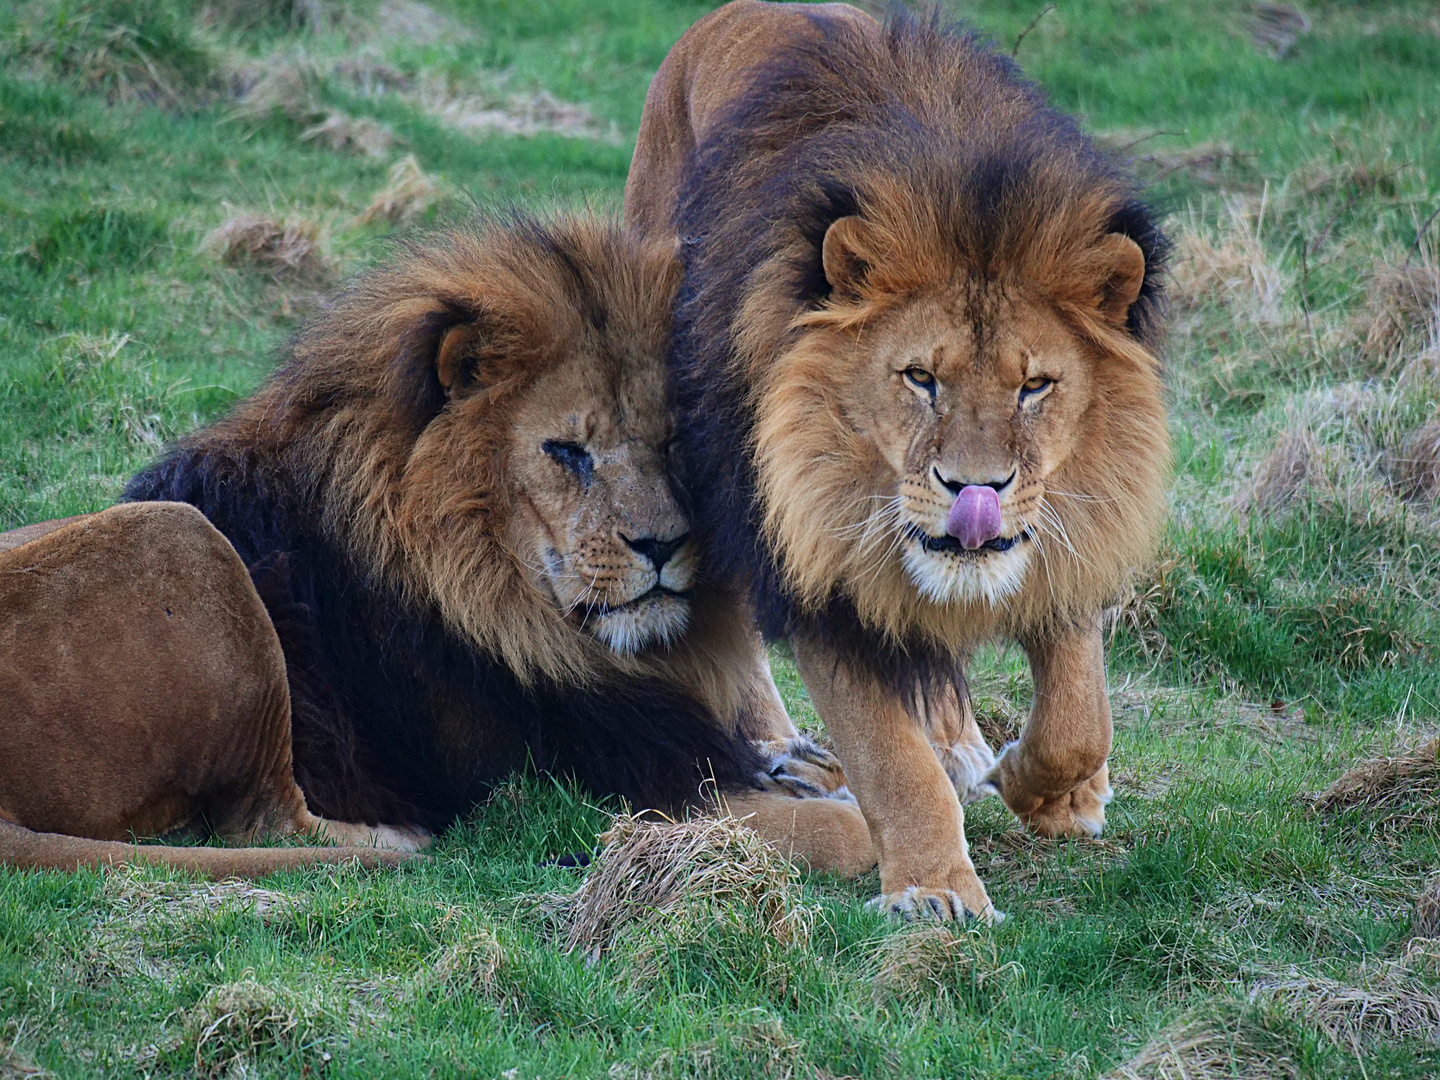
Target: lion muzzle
pixel 974 517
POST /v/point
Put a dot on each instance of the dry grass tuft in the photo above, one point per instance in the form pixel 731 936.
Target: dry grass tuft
pixel 410 20
pixel 15 1066
pixel 920 963
pixel 1282 475
pixel 1386 1002
pixel 1402 305
pixel 287 86
pixel 145 898
pixel 1231 269
pixel 1425 923
pixel 1275 28
pixel 1224 1044
pixel 660 875
pixel 523 115
pixel 1416 467
pixel 353 134
pixel 291 248
pixel 407 194
pixel 471 962
pixel 1402 790
pixel 235 1023
pixel 1146 594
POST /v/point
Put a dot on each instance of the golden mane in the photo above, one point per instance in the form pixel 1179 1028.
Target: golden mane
pixel 967 183
pixel 419 496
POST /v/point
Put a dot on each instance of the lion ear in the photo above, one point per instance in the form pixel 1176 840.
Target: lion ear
pixel 848 253
pixel 1122 266
pixel 457 358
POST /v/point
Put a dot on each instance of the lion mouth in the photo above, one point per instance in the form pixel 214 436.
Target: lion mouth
pixel 658 592
pixel 953 546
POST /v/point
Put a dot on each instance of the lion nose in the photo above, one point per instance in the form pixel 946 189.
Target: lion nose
pixel 956 486
pixel 657 551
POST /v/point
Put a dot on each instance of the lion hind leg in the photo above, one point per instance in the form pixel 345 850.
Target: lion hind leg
pixel 828 835
pixel 28 850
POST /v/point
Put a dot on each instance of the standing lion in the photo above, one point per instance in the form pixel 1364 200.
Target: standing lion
pixel 456 501
pixel 920 405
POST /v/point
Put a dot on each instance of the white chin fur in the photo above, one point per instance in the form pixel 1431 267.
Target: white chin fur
pixel 944 578
pixel 659 621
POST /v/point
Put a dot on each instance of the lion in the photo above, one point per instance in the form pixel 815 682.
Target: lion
pixel 456 500
pixel 920 405
pixel 143 691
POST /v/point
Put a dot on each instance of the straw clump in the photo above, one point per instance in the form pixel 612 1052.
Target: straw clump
pixel 407 194
pixel 1403 305
pixel 472 962
pixel 1221 1043
pixel 1385 1002
pixel 15 1066
pixel 1425 923
pixel 285 248
pixel 1232 268
pixel 926 962
pixel 359 135
pixel 1401 790
pixel 660 877
pixel 238 1022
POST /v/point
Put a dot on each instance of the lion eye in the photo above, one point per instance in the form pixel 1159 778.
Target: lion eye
pixel 921 379
pixel 574 457
pixel 1037 385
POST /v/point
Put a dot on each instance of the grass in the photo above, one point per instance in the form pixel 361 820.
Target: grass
pixel 179 185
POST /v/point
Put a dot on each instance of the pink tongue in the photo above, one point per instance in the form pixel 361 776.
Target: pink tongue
pixel 975 517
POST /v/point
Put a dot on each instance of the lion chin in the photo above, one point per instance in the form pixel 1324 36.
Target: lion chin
pixel 945 573
pixel 653 621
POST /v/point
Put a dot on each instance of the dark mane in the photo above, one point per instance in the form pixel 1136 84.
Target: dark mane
pixel 826 128
pixel 396 717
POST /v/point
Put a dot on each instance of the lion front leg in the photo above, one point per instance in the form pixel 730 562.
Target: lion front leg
pixel 1054 777
pixel 909 804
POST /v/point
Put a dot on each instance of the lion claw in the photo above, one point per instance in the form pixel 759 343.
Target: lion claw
pixel 799 768
pixel 916 902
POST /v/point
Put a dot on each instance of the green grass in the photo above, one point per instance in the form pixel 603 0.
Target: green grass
pixel 1289 627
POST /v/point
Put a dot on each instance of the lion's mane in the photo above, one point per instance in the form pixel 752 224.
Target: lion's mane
pixel 935 139
pixel 423 664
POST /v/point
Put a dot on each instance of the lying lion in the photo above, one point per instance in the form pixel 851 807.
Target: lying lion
pixel 919 403
pixel 142 690
pixel 457 500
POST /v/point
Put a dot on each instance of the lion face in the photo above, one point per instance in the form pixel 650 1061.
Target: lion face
pixel 960 453
pixel 970 431
pixel 603 532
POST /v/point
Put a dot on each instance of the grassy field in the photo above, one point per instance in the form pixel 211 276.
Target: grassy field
pixel 179 184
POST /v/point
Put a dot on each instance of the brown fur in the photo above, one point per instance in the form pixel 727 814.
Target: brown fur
pixel 143 690
pixel 849 453
pixel 427 421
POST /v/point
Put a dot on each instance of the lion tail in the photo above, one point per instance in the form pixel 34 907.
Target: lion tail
pixel 28 850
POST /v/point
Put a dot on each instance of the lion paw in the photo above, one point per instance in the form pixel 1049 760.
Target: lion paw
pixel 1081 813
pixel 917 902
pixel 402 837
pixel 799 768
pixel 966 764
